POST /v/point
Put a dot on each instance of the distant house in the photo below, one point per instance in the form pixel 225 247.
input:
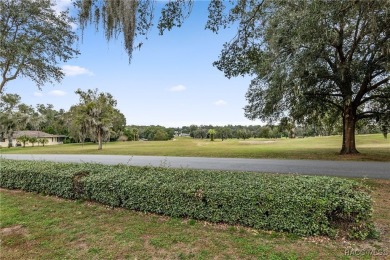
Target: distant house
pixel 51 139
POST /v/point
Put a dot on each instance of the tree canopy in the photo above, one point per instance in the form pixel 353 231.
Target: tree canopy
pixel 33 40
pixel 96 115
pixel 311 57
pixel 311 60
pixel 13 116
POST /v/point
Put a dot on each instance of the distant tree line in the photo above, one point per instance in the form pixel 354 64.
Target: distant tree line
pixel 285 129
pixel 95 119
pixel 150 133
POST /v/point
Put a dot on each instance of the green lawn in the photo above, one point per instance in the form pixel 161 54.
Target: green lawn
pixel 34 226
pixel 372 147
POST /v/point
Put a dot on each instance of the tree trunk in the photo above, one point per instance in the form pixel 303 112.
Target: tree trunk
pixel 292 133
pixel 100 147
pixel 293 130
pixel 349 125
pixel 10 133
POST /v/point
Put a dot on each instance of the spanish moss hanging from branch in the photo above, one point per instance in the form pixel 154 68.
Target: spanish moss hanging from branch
pixel 131 18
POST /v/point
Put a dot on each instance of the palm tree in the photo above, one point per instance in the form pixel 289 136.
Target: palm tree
pixel 135 134
pixel 211 132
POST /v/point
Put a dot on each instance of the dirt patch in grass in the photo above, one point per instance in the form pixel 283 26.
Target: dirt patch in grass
pixel 13 230
pixel 14 238
pixel 80 244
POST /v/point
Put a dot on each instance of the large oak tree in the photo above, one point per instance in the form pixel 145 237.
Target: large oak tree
pixel 311 56
pixel 307 57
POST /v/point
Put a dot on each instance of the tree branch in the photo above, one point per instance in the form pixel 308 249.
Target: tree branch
pixel 376 85
pixel 368 114
pixel 373 97
pixel 356 38
pixel 322 97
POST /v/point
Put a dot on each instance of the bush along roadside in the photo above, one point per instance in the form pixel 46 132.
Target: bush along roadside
pixel 302 205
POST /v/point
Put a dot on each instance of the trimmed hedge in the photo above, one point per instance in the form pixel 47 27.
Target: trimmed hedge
pixel 302 205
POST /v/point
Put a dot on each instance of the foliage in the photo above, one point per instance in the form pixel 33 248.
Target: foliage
pixel 224 132
pixel 12 117
pixel 33 40
pixel 47 178
pixel 212 133
pixel 118 124
pixel 132 133
pixel 243 133
pixel 300 205
pixel 310 56
pixel 77 123
pixel 160 135
pixel 33 140
pixel 23 139
pixel 95 116
pixel 132 18
pixel 53 121
pixel 42 141
pixel 150 133
pixel 123 138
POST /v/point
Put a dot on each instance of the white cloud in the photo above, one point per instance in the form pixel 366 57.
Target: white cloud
pixel 220 102
pixel 74 26
pixel 61 5
pixel 70 70
pixel 57 93
pixel 38 94
pixel 177 88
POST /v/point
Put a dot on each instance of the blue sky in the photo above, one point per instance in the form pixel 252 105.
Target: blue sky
pixel 170 81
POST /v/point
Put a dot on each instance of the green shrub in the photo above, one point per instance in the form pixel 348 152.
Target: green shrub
pixel 44 177
pixel 302 205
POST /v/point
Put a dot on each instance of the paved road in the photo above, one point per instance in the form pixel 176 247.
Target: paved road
pixel 378 170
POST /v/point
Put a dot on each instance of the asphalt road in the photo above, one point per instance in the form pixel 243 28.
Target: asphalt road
pixel 375 170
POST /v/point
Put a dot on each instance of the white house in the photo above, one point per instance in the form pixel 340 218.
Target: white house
pixel 51 139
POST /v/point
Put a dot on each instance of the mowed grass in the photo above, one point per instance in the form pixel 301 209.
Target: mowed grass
pixel 371 147
pixel 34 226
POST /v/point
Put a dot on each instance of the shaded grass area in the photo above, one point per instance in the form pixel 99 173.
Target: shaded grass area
pixel 371 147
pixel 41 227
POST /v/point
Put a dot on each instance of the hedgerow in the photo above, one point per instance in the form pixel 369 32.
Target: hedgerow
pixel 302 205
